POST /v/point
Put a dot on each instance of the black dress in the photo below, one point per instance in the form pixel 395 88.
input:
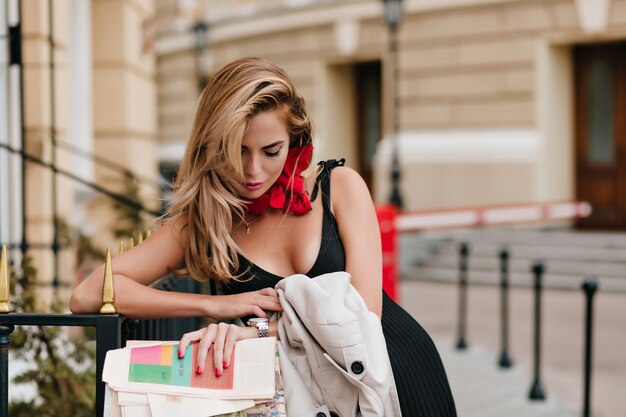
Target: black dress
pixel 420 377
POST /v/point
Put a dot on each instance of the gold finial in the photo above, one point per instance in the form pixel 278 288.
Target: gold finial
pixel 4 282
pixel 148 233
pixel 140 238
pixel 131 244
pixel 121 250
pixel 108 297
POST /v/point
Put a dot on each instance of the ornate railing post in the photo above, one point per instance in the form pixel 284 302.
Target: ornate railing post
pixel 108 292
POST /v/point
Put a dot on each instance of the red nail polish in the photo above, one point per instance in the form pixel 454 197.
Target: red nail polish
pixel 180 354
pixel 199 370
pixel 218 372
pixel 225 364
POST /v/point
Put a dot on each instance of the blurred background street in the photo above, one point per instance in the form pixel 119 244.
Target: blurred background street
pixel 480 387
pixel 496 123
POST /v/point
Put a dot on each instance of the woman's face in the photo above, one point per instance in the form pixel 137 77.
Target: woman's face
pixel 264 150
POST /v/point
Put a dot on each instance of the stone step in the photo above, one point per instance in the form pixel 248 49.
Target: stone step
pixel 569 257
pixel 559 237
pixel 539 251
pixel 516 279
pixel 516 264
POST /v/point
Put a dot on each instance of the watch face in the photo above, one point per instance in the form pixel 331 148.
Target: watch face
pixel 262 325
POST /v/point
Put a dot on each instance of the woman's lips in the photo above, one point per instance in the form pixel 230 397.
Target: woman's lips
pixel 253 186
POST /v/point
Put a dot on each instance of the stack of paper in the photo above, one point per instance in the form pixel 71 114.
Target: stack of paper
pixel 147 379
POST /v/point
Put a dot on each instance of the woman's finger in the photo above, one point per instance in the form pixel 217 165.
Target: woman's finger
pixel 257 311
pixel 218 348
pixel 271 303
pixel 204 346
pixel 266 298
pixel 229 344
pixel 275 306
pixel 269 294
pixel 269 291
pixel 188 338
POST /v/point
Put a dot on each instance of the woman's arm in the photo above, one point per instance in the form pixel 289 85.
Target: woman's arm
pixel 353 208
pixel 136 269
pixel 133 271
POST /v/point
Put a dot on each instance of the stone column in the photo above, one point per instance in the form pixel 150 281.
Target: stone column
pixel 124 100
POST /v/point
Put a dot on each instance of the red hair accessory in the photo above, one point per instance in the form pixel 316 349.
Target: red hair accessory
pixel 288 191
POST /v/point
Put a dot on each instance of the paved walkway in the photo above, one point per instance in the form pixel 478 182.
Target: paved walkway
pixel 482 390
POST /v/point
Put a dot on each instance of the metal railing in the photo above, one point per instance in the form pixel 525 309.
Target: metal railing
pixel 112 330
pixel 108 336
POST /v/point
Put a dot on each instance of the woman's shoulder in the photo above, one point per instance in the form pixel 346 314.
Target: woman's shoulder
pixel 347 188
pixel 175 229
pixel 341 173
pixel 343 176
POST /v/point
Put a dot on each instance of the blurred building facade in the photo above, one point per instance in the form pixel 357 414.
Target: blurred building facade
pixel 501 101
pixel 85 90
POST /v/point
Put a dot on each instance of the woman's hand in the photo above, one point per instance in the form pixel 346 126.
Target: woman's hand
pixel 224 307
pixel 222 336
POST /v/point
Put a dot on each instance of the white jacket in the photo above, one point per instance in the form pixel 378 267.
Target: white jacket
pixel 333 354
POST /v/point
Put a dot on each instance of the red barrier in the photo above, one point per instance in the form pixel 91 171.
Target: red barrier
pixel 387 223
pixel 498 215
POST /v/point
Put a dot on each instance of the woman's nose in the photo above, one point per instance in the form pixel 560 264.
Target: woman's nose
pixel 251 166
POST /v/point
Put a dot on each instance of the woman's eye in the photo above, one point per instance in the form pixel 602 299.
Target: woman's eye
pixel 273 154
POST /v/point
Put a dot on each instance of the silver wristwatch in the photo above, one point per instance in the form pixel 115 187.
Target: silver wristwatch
pixel 262 325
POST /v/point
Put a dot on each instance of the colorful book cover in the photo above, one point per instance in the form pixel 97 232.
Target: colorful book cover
pixel 160 365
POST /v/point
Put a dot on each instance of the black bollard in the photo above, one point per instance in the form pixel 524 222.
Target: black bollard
pixel 463 255
pixel 505 360
pixel 5 342
pixel 536 390
pixel 589 287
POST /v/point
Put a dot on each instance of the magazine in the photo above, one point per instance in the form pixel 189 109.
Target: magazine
pixel 146 379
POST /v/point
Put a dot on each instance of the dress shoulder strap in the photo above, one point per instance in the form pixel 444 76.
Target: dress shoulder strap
pixel 323 176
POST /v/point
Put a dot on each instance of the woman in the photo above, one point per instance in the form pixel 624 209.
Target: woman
pixel 245 216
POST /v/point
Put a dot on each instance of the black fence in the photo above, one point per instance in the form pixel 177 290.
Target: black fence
pixel 108 336
pixel 112 332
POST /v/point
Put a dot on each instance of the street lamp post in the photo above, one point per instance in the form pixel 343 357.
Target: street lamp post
pixel 393 17
pixel 200 43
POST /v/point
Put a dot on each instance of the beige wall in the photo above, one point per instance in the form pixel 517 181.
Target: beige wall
pixel 310 55
pixel 124 99
pixel 124 113
pixel 177 95
pixel 494 69
pixel 44 120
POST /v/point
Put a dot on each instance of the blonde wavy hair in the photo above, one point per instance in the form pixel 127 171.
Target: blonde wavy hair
pixel 209 182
